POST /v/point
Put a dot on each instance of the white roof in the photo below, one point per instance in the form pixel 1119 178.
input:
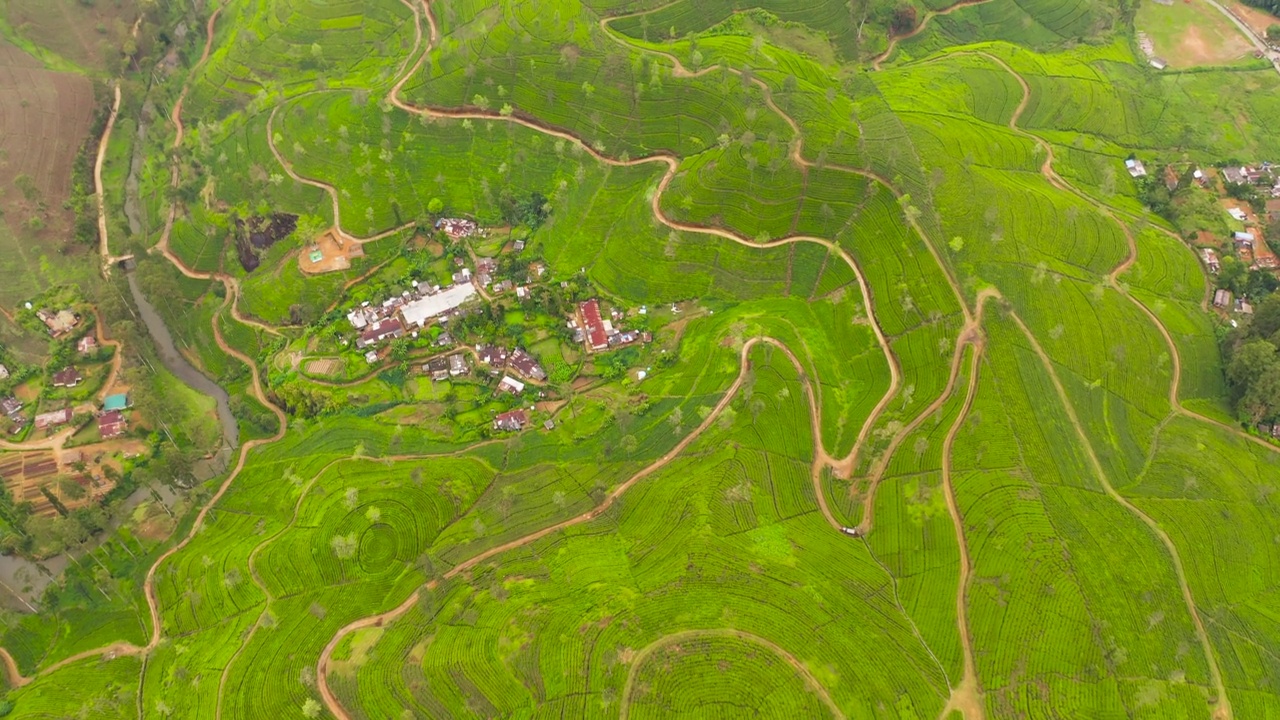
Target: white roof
pixel 423 309
pixel 1244 236
pixel 1237 213
pixel 512 383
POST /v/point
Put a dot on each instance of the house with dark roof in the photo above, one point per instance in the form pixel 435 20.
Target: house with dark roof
pixel 526 365
pixel 67 378
pixel 379 331
pixel 112 424
pixel 437 368
pixel 493 356
pixel 10 406
pixel 512 421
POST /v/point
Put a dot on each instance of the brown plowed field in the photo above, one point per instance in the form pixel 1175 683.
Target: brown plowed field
pixel 44 118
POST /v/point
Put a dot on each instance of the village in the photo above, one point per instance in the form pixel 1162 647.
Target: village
pixel 73 413
pixel 1238 246
pixel 442 321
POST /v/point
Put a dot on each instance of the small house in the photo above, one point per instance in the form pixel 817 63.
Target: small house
pixel 1135 168
pixel 457 365
pixel 512 421
pixel 380 331
pixel 510 385
pixel 1243 239
pixel 371 357
pixel 1158 63
pixel 518 245
pixel 60 322
pixel 88 344
pixel 1222 298
pixel 1244 306
pixel 1237 214
pixel 1235 175
pixel 549 424
pixel 52 419
pixel 437 368
pixel 456 227
pixel 111 424
pixel 525 364
pixel 492 356
pixel 10 406
pixel 67 378
pixel 1210 257
pixel 4 373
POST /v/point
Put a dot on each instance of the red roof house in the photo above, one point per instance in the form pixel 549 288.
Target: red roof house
pixel 597 338
pixel 112 424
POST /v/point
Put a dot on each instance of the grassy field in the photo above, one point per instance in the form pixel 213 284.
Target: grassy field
pixel 919 296
pixel 1188 34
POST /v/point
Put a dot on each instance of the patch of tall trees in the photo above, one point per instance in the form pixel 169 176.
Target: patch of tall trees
pixel 1253 364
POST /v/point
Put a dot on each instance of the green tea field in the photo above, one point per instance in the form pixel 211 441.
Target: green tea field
pixel 618 359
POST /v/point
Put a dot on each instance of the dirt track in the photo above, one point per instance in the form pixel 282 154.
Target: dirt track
pixel 1222 709
pixel 796 664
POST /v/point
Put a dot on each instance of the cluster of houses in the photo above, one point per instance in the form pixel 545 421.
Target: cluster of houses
pixel 1264 175
pixel 598 333
pixel 110 419
pixel 442 368
pixel 518 362
pixel 406 312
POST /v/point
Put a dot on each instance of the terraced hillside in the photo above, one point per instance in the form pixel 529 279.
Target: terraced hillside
pixel 930 418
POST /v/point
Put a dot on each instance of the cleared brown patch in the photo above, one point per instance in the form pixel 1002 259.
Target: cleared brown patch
pixel 1256 19
pixel 44 118
pixel 86 33
pixel 334 254
pixel 1195 49
pixel 327 367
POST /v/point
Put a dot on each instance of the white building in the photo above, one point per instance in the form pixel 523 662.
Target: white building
pixel 416 313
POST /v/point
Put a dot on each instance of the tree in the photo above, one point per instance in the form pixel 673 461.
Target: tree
pixel 1266 318
pixel 311 708
pixel 1273 33
pixel 344 546
pixel 435 206
pixel 1231 273
pixel 904 20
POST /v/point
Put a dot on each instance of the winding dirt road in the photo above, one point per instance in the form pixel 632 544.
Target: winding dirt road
pixel 796 664
pixel 1222 709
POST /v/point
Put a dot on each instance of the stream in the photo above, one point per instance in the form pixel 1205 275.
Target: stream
pixel 175 363
pixel 23 581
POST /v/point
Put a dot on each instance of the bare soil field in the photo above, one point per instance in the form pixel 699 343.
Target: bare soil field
pixel 1192 34
pixel 45 117
pixel 334 254
pixel 1257 19
pixel 83 33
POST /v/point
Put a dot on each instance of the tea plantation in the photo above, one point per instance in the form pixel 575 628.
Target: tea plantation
pixel 929 410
